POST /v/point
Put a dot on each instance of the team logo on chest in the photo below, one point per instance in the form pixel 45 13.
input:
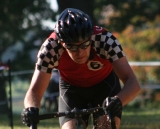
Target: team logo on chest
pixel 94 65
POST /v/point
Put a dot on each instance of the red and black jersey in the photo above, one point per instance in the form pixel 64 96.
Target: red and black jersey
pixel 105 50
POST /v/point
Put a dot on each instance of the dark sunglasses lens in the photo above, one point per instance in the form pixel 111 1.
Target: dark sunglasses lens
pixel 85 45
pixel 72 47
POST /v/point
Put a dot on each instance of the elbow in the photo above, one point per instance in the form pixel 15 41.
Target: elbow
pixel 136 87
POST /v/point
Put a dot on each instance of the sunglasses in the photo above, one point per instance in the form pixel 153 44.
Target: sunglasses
pixel 74 48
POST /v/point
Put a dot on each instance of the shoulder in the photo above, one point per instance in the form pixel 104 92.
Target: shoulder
pixel 51 45
pixel 101 34
pixel 98 29
pixel 106 44
pixel 51 41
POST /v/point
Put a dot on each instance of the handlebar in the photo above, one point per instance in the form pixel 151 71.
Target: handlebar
pixel 74 113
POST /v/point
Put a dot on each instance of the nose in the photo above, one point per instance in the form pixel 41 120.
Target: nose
pixel 80 51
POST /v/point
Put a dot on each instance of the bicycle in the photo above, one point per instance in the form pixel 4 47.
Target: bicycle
pixel 74 113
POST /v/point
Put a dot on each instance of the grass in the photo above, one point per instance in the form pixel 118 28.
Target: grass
pixel 45 124
pixel 132 119
pixel 141 119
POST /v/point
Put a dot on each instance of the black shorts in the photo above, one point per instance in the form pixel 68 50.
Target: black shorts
pixel 73 96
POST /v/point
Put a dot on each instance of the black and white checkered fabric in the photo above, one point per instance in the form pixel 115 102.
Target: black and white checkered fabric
pixel 107 46
pixel 49 55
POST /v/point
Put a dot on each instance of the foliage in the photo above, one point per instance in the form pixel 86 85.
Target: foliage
pixel 117 15
pixel 21 26
pixel 143 44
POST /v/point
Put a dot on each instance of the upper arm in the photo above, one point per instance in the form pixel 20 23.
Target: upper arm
pixel 123 69
pixel 39 82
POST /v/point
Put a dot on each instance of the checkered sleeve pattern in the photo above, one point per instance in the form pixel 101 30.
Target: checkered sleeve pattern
pixel 107 46
pixel 48 55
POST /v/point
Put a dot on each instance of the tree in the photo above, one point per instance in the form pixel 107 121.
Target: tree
pixel 134 21
pixel 21 24
pixel 143 45
pixel 117 15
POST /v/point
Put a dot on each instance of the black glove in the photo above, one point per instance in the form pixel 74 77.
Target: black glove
pixel 113 105
pixel 30 115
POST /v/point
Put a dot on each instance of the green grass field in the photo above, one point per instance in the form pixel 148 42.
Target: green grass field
pixel 131 119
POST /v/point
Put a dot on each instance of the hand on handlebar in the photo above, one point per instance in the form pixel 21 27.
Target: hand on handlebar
pixel 30 116
pixel 113 105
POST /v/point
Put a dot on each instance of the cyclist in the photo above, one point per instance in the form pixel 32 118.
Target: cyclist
pixel 90 61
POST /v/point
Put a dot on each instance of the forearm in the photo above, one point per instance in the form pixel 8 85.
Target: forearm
pixel 37 88
pixel 32 99
pixel 131 86
pixel 129 91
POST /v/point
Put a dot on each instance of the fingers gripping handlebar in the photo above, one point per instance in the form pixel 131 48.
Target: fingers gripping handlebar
pixel 111 106
pixel 74 113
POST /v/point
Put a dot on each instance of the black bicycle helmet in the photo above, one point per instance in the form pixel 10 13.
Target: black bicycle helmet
pixel 73 26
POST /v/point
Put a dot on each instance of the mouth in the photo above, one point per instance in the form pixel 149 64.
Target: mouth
pixel 79 58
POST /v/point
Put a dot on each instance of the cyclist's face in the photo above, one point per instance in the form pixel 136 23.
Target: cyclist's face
pixel 78 52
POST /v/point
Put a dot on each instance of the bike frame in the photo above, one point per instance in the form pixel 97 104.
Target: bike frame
pixel 74 113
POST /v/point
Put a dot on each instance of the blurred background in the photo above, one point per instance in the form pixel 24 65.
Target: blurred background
pixel 24 25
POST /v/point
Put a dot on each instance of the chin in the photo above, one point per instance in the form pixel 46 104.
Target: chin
pixel 80 61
